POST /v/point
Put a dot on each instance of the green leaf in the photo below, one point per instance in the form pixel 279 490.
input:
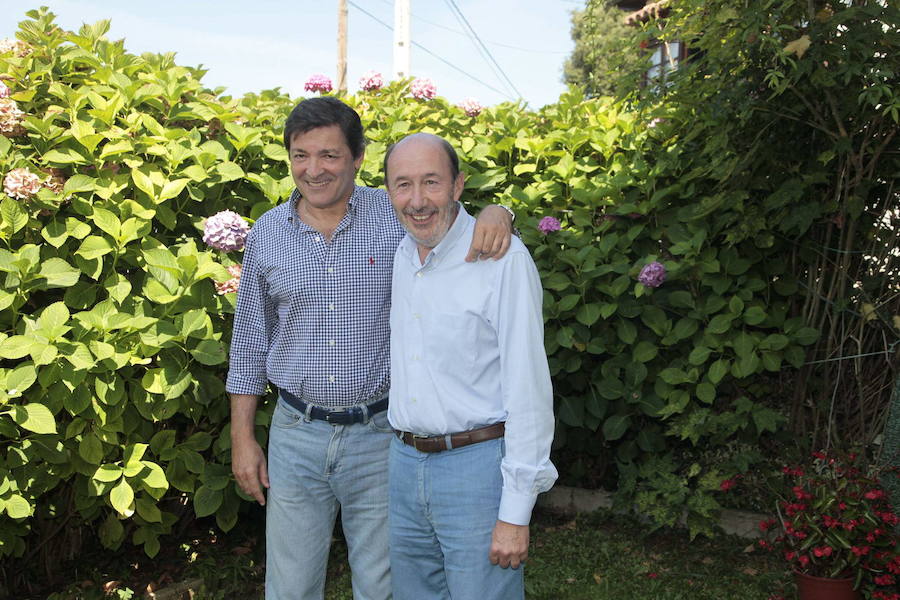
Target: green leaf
pixel 206 501
pixel 645 352
pixel 588 314
pixel 720 323
pixel 59 273
pixel 107 473
pixel 571 412
pixel 94 246
pixel 107 221
pixel 744 344
pixel 209 352
pixel 229 171
pixel 79 183
pixel 17 507
pixel 626 331
pixel 16 346
pixel 706 392
pixel 13 216
pixel 148 510
pixel 34 417
pixel 806 336
pixel 699 355
pixel 673 376
pixel 718 370
pixel 754 315
pixel 20 379
pixel 155 477
pixel 90 448
pixel 615 427
pixel 122 497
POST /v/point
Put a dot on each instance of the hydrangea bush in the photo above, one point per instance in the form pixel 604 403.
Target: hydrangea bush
pixel 120 271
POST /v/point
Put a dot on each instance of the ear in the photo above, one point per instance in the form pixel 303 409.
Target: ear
pixel 357 162
pixel 459 185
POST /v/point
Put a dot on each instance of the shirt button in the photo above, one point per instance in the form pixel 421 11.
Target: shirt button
pixel 416 316
pixel 318 239
pixel 419 274
pixel 331 378
pixel 331 306
pixel 331 342
pixel 331 269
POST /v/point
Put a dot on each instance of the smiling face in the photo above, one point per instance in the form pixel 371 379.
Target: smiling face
pixel 323 168
pixel 423 190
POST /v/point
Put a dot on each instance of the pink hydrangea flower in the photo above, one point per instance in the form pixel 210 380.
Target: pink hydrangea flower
pixel 548 224
pixel 371 81
pixel 423 89
pixel 17 47
pixel 11 118
pixel 227 287
pixel 226 230
pixel 318 83
pixel 471 106
pixel 653 275
pixel 21 184
pixel 4 90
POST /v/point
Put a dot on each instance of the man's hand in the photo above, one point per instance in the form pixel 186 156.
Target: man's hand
pixel 248 462
pixel 493 231
pixel 509 545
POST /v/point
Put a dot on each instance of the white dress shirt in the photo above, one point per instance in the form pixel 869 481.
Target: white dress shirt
pixel 467 350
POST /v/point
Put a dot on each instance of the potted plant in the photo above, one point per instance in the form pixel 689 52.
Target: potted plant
pixel 836 529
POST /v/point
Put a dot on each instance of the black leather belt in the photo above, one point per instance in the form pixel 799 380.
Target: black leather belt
pixel 439 443
pixel 339 416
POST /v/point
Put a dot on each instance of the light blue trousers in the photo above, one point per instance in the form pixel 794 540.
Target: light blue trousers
pixel 443 508
pixel 314 467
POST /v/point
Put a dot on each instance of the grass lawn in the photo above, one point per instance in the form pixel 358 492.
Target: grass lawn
pixel 599 556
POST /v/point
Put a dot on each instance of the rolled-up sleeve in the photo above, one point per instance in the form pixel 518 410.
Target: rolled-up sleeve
pixel 527 390
pixel 254 323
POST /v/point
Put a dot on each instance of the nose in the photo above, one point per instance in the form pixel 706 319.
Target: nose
pixel 313 167
pixel 417 199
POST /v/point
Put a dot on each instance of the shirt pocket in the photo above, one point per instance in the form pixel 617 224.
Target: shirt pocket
pixel 450 342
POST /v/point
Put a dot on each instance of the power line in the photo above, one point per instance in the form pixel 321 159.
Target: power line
pixel 426 50
pixel 490 56
pixel 492 43
pixel 480 50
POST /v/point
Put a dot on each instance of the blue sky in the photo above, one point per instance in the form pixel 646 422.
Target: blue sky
pixel 262 44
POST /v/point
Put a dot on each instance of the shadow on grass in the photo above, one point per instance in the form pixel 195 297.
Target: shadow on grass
pixel 591 557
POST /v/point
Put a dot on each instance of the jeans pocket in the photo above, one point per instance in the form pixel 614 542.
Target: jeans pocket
pixel 379 422
pixel 286 417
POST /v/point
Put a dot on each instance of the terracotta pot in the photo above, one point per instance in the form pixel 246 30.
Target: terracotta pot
pixel 825 588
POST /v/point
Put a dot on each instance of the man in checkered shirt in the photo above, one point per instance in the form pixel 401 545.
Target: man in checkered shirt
pixel 312 318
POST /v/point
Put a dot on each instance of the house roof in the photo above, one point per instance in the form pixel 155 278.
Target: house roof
pixel 652 10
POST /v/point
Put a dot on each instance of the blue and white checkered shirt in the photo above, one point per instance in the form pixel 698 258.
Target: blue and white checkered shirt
pixel 313 316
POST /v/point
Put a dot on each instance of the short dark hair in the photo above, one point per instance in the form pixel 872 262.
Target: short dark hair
pixel 323 112
pixel 448 149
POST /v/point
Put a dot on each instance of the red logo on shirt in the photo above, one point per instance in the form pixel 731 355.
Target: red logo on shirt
pixel 371 261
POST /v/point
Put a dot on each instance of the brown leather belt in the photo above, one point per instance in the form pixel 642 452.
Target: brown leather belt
pixel 439 443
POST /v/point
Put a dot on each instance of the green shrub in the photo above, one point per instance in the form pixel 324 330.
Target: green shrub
pixel 114 339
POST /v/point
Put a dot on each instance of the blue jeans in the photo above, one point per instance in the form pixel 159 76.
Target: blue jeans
pixel 443 508
pixel 313 468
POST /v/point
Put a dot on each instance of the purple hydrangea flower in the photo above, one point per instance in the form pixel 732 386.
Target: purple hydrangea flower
pixel 318 83
pixel 653 275
pixel 423 89
pixel 549 224
pixel 371 81
pixel 226 230
pixel 471 106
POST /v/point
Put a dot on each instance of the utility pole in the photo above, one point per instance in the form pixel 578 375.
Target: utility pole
pixel 401 39
pixel 342 46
